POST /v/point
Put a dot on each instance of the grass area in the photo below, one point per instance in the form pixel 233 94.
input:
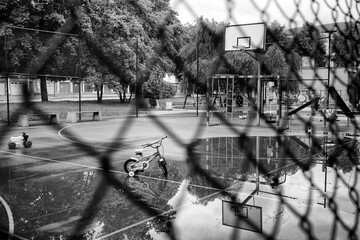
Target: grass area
pixel 109 108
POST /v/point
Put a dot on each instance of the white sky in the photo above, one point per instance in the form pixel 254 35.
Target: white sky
pixel 245 11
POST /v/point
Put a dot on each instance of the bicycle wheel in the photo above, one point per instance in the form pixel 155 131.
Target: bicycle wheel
pixel 162 165
pixel 128 166
pixel 27 144
pixel 11 145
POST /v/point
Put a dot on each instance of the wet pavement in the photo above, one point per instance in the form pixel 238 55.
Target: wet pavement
pixel 230 187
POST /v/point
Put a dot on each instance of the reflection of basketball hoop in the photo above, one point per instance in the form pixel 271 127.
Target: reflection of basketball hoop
pixel 243 216
pixel 235 187
pixel 240 210
pixel 239 47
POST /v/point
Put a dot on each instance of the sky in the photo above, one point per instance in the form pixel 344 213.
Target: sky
pixel 249 11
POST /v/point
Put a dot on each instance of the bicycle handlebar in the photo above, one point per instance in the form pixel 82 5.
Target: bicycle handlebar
pixel 154 142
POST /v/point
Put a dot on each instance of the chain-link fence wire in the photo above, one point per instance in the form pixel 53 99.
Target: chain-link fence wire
pixel 110 180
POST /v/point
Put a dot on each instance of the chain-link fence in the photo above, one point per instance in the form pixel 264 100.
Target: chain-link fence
pixel 254 177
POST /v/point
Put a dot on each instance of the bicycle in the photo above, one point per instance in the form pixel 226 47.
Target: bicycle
pixel 22 139
pixel 135 165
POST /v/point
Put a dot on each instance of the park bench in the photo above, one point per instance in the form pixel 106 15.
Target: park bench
pixel 72 117
pixel 350 114
pixel 23 119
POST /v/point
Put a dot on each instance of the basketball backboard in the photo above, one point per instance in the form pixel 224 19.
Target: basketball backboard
pixel 238 215
pixel 248 37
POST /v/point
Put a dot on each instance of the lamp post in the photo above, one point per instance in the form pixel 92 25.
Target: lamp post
pixel 7 78
pixel 197 74
pixel 137 95
pixel 329 32
pixel 259 99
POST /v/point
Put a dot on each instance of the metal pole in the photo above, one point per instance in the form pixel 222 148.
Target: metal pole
pixel 137 78
pixel 7 78
pixel 257 162
pixel 80 97
pixel 197 74
pixel 329 61
pixel 259 91
pixel 208 100
pixel 79 74
pixel 279 99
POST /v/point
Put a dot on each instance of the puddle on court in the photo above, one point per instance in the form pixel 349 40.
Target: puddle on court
pixel 259 172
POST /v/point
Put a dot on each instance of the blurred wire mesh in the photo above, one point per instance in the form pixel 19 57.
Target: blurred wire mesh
pixel 348 60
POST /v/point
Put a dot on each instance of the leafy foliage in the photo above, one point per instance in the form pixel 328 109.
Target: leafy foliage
pixel 24 46
pixel 212 60
pixel 159 89
pixel 345 46
pixel 203 48
pixel 114 34
pixel 309 42
pixel 139 40
pixel 354 89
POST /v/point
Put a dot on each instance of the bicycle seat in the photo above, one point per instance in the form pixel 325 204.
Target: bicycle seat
pixel 139 151
pixel 18 138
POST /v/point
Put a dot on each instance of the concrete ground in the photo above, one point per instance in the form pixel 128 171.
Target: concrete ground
pixel 51 186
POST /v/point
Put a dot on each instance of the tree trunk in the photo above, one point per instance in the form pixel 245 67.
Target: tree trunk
pixel 120 97
pixel 186 96
pixel 99 92
pixel 43 89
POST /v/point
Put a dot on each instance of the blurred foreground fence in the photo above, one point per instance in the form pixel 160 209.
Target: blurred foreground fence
pixel 330 57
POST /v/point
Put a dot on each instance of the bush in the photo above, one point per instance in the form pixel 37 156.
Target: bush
pixel 159 89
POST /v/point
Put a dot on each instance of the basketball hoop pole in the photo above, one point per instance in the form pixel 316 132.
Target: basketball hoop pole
pixel 259 92
pixel 257 58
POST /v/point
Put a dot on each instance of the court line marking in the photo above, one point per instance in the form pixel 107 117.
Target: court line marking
pixel 97 146
pixel 83 143
pixel 151 218
pixel 99 168
pixel 50 160
pixel 89 144
pixel 189 204
pixel 10 217
pixel 115 171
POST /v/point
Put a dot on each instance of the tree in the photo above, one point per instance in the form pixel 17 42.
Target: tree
pixel 109 29
pixel 345 46
pixel 277 59
pixel 129 31
pixel 309 42
pixel 280 58
pixel 203 48
pixel 23 49
pixel 353 90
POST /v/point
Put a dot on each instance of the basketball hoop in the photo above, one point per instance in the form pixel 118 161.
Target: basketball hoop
pixel 239 47
pixel 251 36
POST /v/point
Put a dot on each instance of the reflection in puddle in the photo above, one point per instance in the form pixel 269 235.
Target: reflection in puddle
pixel 267 182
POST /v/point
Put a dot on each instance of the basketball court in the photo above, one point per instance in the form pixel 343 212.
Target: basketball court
pixel 46 190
